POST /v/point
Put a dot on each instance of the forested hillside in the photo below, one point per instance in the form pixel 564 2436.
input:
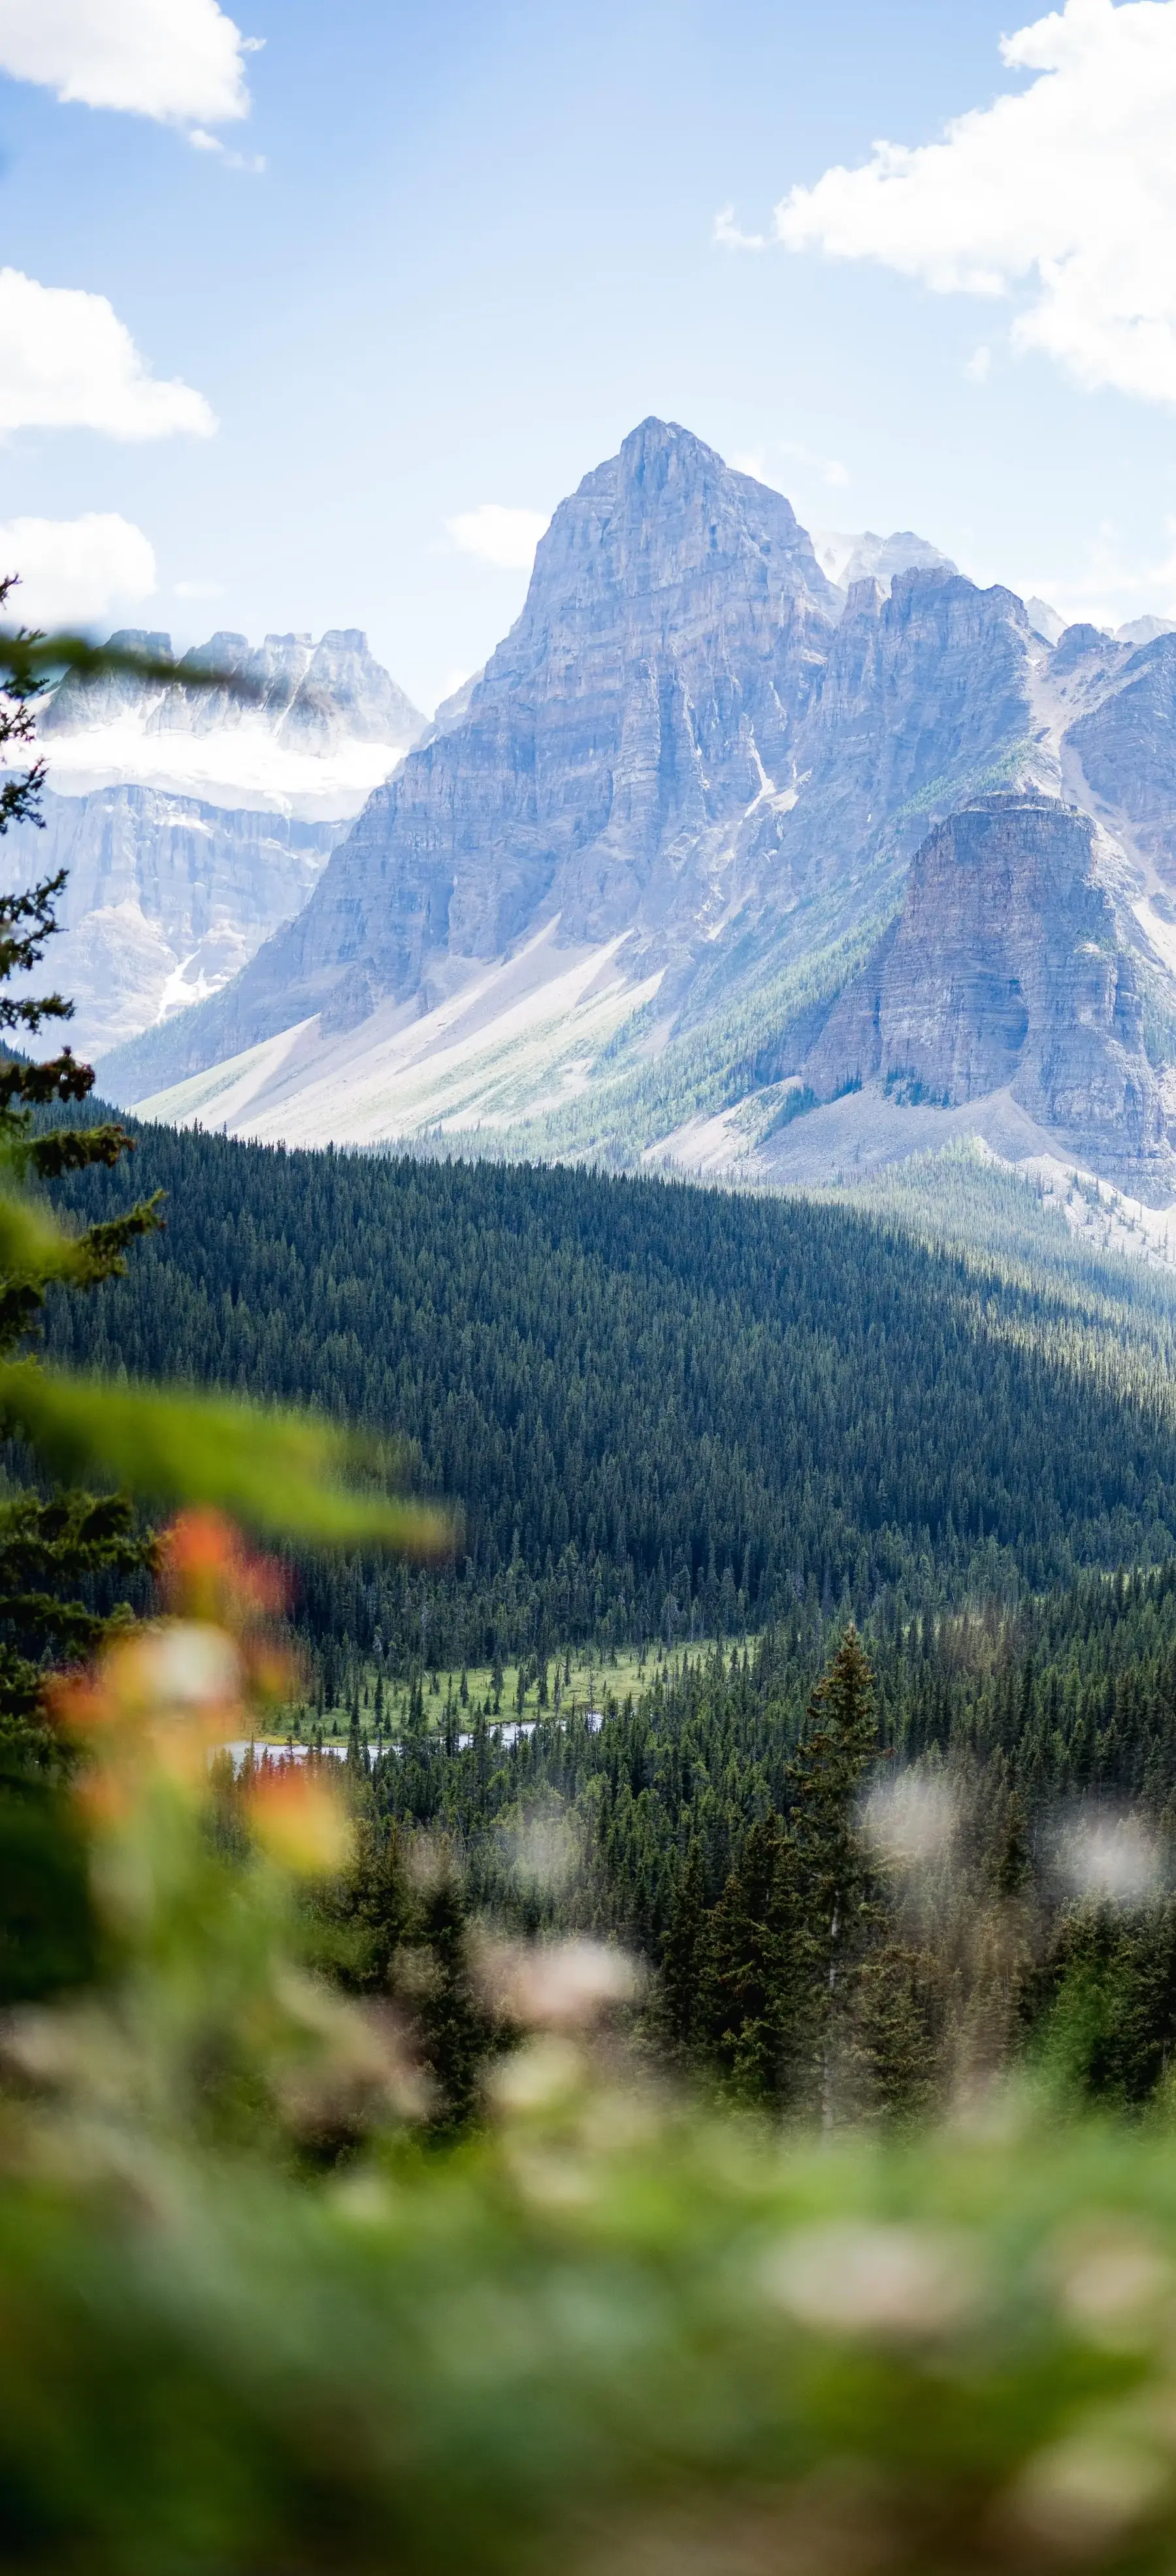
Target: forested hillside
pixel 663 1411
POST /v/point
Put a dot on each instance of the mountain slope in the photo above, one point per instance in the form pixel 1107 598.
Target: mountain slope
pixel 168 896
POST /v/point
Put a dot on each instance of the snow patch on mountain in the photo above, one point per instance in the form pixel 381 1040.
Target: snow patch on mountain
pixel 245 769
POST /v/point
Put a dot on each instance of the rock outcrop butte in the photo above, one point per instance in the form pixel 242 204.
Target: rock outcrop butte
pixel 1007 970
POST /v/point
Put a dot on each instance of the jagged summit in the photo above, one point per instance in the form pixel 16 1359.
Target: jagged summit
pixel 869 557
pixel 644 701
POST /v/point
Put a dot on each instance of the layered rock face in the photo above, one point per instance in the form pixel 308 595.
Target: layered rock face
pixel 1126 743
pixel 687 788
pixel 166 899
pixel 652 682
pixel 1007 969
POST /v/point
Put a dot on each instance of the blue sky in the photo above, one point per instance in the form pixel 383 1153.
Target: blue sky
pixel 482 246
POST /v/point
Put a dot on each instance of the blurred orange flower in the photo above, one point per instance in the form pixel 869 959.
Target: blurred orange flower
pixel 208 1573
pixel 300 1821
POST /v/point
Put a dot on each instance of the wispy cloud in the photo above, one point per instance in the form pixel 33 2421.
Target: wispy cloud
pixel 729 237
pixel 505 538
pixel 252 162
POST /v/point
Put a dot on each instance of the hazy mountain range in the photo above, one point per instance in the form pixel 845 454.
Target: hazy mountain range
pixel 193 821
pixel 645 890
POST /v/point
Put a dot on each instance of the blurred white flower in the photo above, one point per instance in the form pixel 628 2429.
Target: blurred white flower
pixel 188 1665
pixel 555 1985
pixel 888 2279
pixel 1075 2499
pixel 911 1819
pixel 1114 1856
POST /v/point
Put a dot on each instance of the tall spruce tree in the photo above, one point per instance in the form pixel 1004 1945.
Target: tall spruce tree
pixel 830 1863
pixel 684 1949
pixel 753 2004
pixel 50 1550
pixel 787 1933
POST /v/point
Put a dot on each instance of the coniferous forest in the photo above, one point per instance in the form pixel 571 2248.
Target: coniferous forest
pixel 661 1411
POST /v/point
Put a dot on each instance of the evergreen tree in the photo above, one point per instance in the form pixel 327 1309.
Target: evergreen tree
pixel 893 2044
pixel 48 1549
pixel 452 2030
pixel 752 2005
pixel 684 1950
pixel 831 1870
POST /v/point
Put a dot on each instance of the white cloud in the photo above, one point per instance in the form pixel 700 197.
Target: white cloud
pixel 67 362
pixel 505 538
pixel 1065 191
pixel 199 590
pixel 978 367
pixel 74 572
pixel 170 59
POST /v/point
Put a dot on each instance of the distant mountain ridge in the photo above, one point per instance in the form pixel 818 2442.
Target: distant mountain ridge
pixel 193 821
pixel 307 696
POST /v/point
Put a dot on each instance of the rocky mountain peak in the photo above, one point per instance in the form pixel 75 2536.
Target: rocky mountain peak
pixel 1076 643
pixel 666 519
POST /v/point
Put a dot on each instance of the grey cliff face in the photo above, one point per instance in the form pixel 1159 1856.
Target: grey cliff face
pixel 1126 744
pixel 625 716
pixel 919 692
pixel 102 701
pixel 167 898
pixel 1006 969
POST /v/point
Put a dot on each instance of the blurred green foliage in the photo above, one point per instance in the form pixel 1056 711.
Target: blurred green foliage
pixel 251 2322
